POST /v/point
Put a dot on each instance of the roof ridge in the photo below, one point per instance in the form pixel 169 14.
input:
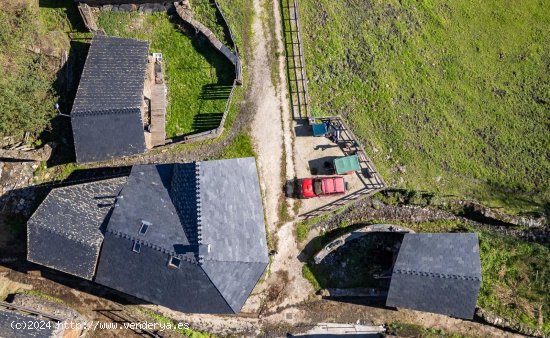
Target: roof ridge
pixel 435 274
pixel 111 111
pixel 235 261
pixel 198 208
pixel 159 248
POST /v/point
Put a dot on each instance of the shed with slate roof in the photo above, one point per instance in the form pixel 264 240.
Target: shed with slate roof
pixel 107 111
pixel 439 273
pixel 187 236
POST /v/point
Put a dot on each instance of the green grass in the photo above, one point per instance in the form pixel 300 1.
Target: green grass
pixel 310 277
pixel 302 230
pixel 457 92
pixel 412 330
pixel 40 294
pixel 26 84
pixel 304 227
pixel 198 76
pixel 205 12
pixel 515 279
pixel 240 147
pixel 188 332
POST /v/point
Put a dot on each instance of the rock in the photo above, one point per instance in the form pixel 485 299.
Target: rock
pixel 127 7
pixel 376 204
pixel 402 168
pixel 159 8
pixel 107 8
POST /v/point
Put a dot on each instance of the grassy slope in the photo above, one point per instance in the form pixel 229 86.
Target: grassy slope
pixel 192 68
pixel 457 90
pixel 27 92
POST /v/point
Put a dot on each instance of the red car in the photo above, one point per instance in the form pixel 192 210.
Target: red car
pixel 316 187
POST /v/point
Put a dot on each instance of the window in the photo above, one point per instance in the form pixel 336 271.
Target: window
pixel 144 227
pixel 174 262
pixel 137 247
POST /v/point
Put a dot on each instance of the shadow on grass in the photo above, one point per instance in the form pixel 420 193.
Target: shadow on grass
pixel 65 86
pixel 70 9
pixel 206 119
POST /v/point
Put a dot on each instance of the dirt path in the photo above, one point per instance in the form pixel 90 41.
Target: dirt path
pixel 271 130
pixel 267 125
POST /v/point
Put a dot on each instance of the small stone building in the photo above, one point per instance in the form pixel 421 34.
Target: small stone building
pixel 439 273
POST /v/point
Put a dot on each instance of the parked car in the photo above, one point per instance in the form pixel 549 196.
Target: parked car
pixel 316 187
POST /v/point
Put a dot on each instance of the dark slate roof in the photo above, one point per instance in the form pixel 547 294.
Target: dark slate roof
pixel 47 328
pixel 106 114
pixel 146 276
pixel 113 76
pixel 208 213
pixel 78 211
pixel 438 273
pixel 75 214
pixel 231 211
pixel 146 197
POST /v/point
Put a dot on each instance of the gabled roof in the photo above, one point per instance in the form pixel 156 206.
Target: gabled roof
pixel 438 273
pixel 106 113
pixel 209 214
pixel 113 76
pixel 77 213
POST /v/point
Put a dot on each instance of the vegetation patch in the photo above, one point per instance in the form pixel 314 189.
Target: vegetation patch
pixel 198 77
pixel 206 13
pixel 39 294
pixel 33 41
pixel 515 280
pixel 240 147
pixel 178 328
pixel 398 329
pixel 354 264
pixel 310 277
pixel 449 97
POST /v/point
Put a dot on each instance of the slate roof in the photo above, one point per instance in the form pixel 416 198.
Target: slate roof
pixel 439 273
pixel 106 113
pixel 47 328
pixel 78 211
pixel 209 214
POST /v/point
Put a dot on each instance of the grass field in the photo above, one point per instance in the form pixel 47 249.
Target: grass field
pixel 32 41
pixel 456 94
pixel 198 77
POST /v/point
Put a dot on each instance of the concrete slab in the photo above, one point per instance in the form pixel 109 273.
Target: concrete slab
pixel 311 154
